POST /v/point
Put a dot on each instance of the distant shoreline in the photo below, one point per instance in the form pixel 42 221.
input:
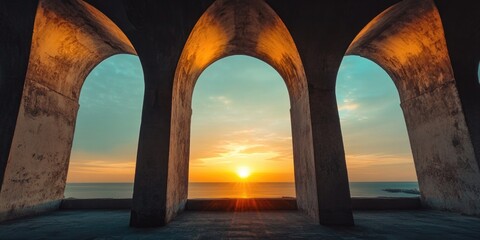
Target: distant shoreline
pixel 399 190
pixel 240 189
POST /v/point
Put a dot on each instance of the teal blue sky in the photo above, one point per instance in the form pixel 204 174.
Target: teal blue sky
pixel 240 116
pixel 110 106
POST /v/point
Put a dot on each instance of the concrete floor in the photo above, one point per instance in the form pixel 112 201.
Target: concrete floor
pixel 244 225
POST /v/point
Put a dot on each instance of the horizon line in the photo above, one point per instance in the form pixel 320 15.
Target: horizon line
pixel 270 182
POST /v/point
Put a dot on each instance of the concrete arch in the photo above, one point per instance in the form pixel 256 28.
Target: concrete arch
pixel 408 41
pixel 251 28
pixel 69 39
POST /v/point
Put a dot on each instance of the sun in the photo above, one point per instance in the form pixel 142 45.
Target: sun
pixel 243 172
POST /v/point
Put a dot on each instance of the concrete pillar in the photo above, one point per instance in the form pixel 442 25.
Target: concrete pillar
pixel 460 22
pixel 159 31
pixel 321 46
pixel 303 157
pixel 16 24
pixel 151 191
pixel 448 174
pixel 334 204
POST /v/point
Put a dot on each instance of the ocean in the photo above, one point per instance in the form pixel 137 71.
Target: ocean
pixel 241 190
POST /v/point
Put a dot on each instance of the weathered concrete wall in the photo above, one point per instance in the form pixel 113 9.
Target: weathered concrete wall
pixel 448 174
pixel 69 39
pixel 460 23
pixel 37 167
pixel 16 24
pixel 304 164
pixel 408 41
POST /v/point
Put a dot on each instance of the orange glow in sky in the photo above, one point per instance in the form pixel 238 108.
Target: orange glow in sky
pixel 241 130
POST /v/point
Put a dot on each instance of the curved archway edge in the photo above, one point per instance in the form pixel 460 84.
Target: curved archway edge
pixel 69 39
pixel 415 55
pixel 251 28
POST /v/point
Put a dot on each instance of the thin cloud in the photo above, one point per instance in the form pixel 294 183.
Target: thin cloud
pixel 221 99
pixel 94 168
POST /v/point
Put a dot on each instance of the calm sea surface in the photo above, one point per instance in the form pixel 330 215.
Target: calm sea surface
pixel 240 190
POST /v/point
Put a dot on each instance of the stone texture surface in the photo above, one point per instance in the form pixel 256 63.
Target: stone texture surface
pixel 408 41
pixel 69 39
pixel 244 225
pixel 36 170
pixel 447 171
pixel 463 37
pixel 16 23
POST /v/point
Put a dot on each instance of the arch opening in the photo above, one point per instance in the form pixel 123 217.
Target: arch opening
pixel 378 154
pixel 69 39
pixel 241 143
pixel 102 161
pixel 249 28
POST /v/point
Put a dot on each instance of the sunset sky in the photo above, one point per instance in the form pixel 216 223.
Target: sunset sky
pixel 240 120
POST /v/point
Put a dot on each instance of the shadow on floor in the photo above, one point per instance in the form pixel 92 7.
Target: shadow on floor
pixel 101 224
